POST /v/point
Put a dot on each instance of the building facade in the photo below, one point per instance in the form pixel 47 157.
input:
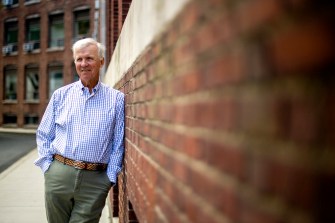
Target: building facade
pixel 36 39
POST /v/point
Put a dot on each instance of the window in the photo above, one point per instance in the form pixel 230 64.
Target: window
pixel 11 32
pixel 30 119
pixel 81 23
pixel 56 32
pixel 10 3
pixel 11 36
pixel 33 33
pixel 31 82
pixel 9 118
pixel 55 77
pixel 10 83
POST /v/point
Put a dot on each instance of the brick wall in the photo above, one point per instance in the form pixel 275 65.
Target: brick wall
pixel 230 116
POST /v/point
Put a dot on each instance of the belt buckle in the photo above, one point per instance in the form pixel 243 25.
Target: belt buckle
pixel 77 165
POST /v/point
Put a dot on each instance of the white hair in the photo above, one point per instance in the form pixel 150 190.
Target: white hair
pixel 89 41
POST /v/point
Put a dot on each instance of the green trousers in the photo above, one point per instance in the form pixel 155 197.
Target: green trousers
pixel 74 196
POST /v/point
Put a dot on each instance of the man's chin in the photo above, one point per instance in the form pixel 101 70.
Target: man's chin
pixel 85 73
pixel 85 81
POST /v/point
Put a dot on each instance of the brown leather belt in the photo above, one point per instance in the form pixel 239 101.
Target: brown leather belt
pixel 80 164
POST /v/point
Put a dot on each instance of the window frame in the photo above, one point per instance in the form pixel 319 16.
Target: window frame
pixel 14 73
pixel 31 69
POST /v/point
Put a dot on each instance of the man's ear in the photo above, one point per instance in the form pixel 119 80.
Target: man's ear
pixel 102 61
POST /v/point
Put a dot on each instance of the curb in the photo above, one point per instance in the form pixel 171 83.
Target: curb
pixel 18 130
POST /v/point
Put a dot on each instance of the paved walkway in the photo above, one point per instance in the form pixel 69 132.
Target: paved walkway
pixel 22 192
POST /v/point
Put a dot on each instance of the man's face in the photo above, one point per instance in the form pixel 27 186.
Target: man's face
pixel 88 64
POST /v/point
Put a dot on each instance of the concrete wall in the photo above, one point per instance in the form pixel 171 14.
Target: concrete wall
pixel 145 20
pixel 229 112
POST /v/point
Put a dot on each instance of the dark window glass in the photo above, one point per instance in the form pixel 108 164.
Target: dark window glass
pixel 10 84
pixel 56 30
pixel 11 32
pixel 81 23
pixel 32 85
pixel 55 78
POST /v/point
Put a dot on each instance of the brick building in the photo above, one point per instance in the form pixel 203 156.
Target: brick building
pixel 36 39
pixel 229 111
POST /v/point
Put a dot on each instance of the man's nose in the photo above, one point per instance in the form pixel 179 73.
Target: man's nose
pixel 84 62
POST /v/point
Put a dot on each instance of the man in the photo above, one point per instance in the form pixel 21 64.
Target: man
pixel 80 141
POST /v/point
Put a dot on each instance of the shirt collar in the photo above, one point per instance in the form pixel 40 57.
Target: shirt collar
pixel 80 85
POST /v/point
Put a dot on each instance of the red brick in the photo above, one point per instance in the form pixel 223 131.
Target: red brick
pixel 228 159
pixel 304 121
pixel 167 209
pixel 213 36
pixel 189 19
pixel 283 180
pixel 254 15
pixel 229 68
pixel 328 118
pixel 215 114
pixel 222 198
pixel 183 52
pixel 302 47
pixel 251 214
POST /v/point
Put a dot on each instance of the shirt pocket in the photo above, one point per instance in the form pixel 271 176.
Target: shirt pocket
pixel 102 121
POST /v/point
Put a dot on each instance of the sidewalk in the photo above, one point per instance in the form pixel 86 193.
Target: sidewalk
pixel 22 193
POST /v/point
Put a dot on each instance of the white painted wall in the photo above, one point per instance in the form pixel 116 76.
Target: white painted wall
pixel 145 20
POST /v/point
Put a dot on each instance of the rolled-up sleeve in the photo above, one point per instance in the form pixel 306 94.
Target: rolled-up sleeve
pixel 45 134
pixel 116 157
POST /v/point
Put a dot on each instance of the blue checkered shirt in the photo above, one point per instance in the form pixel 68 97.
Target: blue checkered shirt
pixel 83 126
